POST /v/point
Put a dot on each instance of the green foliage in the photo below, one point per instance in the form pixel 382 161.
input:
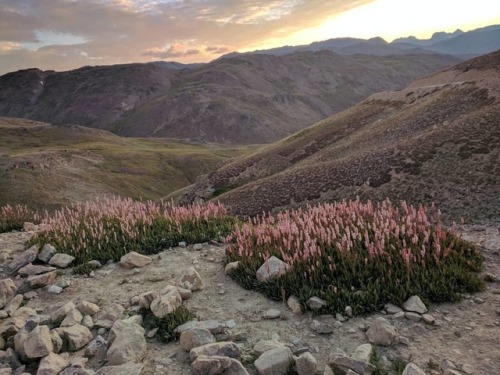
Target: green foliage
pixel 224 189
pixel 398 365
pixel 167 325
pixel 83 269
pixel 375 266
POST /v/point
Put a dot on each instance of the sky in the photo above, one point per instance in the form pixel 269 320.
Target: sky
pixel 67 34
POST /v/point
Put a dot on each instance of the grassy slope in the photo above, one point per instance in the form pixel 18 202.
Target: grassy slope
pixel 46 165
pixel 429 144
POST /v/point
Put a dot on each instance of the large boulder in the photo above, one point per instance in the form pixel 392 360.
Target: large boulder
pixel 342 364
pixel 271 269
pixel 47 252
pixel 7 290
pixel 195 337
pixel 40 281
pixel 22 259
pixel 52 364
pixel 275 361
pixel 75 337
pixel 166 302
pixel 135 260
pixel 215 365
pixel 87 308
pixel 381 332
pixel 34 269
pixel 37 343
pixel 126 343
pixel 225 349
pixel 306 364
pixel 263 346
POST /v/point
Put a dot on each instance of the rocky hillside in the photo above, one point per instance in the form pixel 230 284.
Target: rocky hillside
pixel 438 140
pixel 241 100
pixel 44 165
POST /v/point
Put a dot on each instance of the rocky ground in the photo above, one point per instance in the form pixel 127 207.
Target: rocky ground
pixel 91 321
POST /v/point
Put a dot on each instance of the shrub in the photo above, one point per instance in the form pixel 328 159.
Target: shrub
pixel 14 217
pixel 357 254
pixel 167 325
pixel 109 228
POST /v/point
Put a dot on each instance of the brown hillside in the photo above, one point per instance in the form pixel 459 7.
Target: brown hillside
pixel 436 141
pixel 241 100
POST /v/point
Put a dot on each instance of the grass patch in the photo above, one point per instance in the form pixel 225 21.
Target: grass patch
pixel 397 366
pixel 14 217
pixel 167 325
pixel 108 229
pixel 362 255
pixel 224 189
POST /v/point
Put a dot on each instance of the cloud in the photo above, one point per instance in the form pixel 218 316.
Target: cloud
pixel 53 33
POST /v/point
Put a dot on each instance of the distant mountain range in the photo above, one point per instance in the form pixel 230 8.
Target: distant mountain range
pixel 461 44
pixel 245 99
pixel 438 140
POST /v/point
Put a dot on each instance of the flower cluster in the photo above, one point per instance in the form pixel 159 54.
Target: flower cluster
pixel 354 253
pixel 14 217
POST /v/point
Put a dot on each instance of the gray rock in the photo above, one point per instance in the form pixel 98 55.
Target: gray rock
pixel 38 343
pixel 363 353
pixel 57 341
pixel 224 349
pixel 40 281
pixel 124 369
pixel 166 302
pixel 47 252
pixel 348 311
pixel 87 308
pixel 399 315
pixel 294 304
pixel 275 361
pixel 61 260
pixel 14 304
pixel 272 314
pixel 76 370
pixel 231 267
pixel 404 340
pixel 88 322
pixel 146 298
pixel 135 260
pixel 127 343
pixel 306 364
pixel 271 269
pixel 468 369
pixel 185 293
pixel 7 290
pixel 194 338
pixel 328 370
pixel 192 279
pixel 413 369
pixel 381 332
pixel 182 244
pixel 96 348
pixel 230 324
pixel 72 317
pixel 29 227
pixel 321 327
pixel 316 303
pixel 75 337
pixel 22 259
pixel 447 364
pixel 413 316
pixel 415 304
pixel 428 319
pixel 54 289
pixel 211 325
pixel 340 318
pixel 9 358
pixel 392 309
pixel 58 316
pixel 197 246
pixel 450 371
pixel 342 364
pixel 263 346
pixel 215 365
pixel 30 270
pixel 52 364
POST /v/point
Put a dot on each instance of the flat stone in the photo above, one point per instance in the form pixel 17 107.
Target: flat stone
pixel 413 369
pixel 271 269
pixel 135 260
pixel 31 269
pixel 195 337
pixel 392 309
pixel 381 332
pixel 205 365
pixel 22 259
pixel 275 361
pixel 450 371
pixel 413 316
pixel 52 364
pixel 263 346
pixel 224 349
pixel 316 303
pixel 197 246
pixel 272 314
pixel 124 369
pixel 87 308
pixel 61 260
pixel 40 281
pixel 342 364
pixel 468 369
pixel 46 253
pixel 321 327
pixel 211 325
pixel 415 304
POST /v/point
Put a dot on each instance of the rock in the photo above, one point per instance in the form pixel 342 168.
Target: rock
pixel 468 369
pixel 135 260
pixel 94 264
pixel 127 343
pixel 450 371
pixel 88 322
pixel 40 281
pixel 478 300
pixel 225 349
pixel 9 358
pixel 428 319
pixel 75 337
pixel 58 316
pixel 403 340
pixel 363 353
pixel 14 304
pixel 294 304
pixel 7 290
pixel 112 312
pixel 87 308
pixel 197 246
pixel 328 370
pixel 30 270
pixel 195 337
pixel 38 343
pixel 29 227
pixel 52 364
pixel 30 295
pixel 185 293
pixel 341 364
pixel 392 309
pixel 146 298
pixel 316 303
pixel 22 259
pixel 399 315
pixel 76 370
pixel 124 369
pixel 211 325
pixel 272 268
pixel 54 289
pixel 166 303
pixel 413 369
pixel 182 244
pixel 61 260
pixel 214 365
pixel 272 314
pixel 97 347
pixel 447 364
pixel 47 252
pixel 274 361
pixel 192 277
pixel 72 318
pixel 263 346
pixel 231 267
pixel 306 364
pixel 348 311
pixel 413 316
pixel 381 332
pixel 63 283
pixel 321 327
pixel 340 318
pixel 57 341
pixel 415 304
